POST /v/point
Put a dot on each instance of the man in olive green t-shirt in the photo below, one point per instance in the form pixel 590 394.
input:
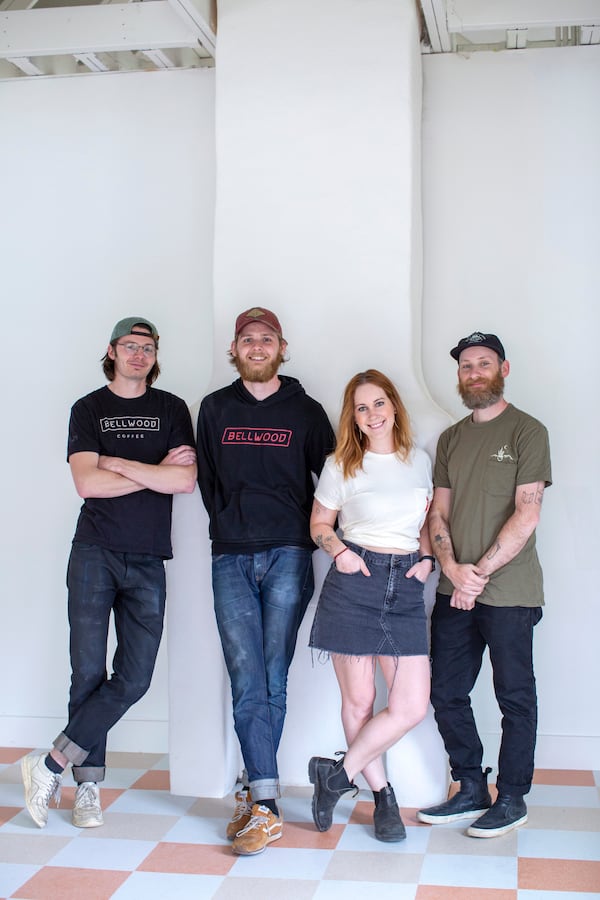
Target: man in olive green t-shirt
pixel 490 474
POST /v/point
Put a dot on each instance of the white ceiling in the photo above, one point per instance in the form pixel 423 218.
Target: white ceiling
pixel 70 37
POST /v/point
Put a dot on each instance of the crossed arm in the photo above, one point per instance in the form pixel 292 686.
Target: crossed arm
pixel 112 476
pixel 469 579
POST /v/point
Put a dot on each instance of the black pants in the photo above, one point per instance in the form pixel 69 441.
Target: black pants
pixel 458 641
pixel 132 586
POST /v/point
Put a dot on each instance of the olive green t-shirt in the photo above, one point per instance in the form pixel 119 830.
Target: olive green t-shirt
pixel 483 463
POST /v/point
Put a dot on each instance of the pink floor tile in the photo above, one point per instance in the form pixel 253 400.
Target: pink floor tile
pixel 189 859
pixel 55 883
pixel 154 780
pixel 559 875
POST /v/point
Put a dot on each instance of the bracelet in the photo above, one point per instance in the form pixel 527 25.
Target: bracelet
pixel 340 553
pixel 431 559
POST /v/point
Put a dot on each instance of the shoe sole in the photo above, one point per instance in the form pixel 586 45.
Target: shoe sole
pixel 390 840
pixel 313 774
pixel 94 824
pixel 262 849
pixel 26 775
pixel 453 817
pixel 473 831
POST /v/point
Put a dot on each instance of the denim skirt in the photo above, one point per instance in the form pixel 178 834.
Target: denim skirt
pixel 380 615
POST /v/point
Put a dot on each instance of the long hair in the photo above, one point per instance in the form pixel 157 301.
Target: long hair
pixel 351 442
pixel 108 365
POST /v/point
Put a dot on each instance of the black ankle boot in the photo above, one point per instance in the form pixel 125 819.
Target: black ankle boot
pixel 472 800
pixel 386 817
pixel 330 781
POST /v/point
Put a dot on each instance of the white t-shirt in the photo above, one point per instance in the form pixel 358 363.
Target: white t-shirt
pixel 385 503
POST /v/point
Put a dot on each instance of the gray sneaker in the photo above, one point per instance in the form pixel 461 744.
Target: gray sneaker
pixel 87 812
pixel 41 785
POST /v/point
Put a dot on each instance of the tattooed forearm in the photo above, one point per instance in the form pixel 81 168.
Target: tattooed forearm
pixel 528 497
pixel 325 542
pixel 441 539
pixel 494 550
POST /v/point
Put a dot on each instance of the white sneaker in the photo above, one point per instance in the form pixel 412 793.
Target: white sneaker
pixel 87 812
pixel 41 785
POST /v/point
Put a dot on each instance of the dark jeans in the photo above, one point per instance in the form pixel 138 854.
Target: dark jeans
pixel 458 640
pixel 132 586
pixel 260 600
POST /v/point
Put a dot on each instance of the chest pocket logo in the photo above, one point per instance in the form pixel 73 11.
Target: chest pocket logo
pixel 503 455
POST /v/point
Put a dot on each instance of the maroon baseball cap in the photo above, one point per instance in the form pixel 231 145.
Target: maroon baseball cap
pixel 260 316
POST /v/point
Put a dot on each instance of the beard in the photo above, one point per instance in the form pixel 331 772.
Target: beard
pixel 482 397
pixel 253 373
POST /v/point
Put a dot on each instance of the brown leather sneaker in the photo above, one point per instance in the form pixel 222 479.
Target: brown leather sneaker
pixel 263 828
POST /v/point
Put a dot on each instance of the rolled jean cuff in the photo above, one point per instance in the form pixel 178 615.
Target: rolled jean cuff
pixel 88 773
pixel 74 753
pixel 265 789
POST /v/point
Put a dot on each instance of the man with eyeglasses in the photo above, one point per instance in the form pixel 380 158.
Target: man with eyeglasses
pixel 260 441
pixel 130 448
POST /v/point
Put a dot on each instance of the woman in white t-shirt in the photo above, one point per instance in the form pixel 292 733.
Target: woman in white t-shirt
pixel 371 610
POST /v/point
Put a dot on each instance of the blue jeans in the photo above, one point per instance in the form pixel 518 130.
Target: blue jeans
pixel 458 641
pixel 260 600
pixel 132 586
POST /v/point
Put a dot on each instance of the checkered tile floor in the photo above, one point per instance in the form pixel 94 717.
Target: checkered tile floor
pixel 157 846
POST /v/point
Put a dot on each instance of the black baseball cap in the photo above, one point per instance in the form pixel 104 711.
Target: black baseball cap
pixel 479 339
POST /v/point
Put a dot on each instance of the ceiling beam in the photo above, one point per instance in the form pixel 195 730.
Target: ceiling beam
pixel 590 34
pixel 91 62
pixel 197 14
pixel 94 29
pixel 26 65
pixel 465 16
pixel 434 12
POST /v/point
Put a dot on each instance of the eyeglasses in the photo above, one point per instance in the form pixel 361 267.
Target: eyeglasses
pixel 131 348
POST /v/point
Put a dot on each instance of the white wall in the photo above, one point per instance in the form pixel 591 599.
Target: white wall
pixel 107 186
pixel 511 144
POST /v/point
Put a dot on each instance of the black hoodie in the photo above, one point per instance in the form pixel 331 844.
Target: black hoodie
pixel 256 460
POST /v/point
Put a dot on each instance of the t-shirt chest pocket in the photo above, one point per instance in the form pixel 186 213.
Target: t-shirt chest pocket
pixel 500 478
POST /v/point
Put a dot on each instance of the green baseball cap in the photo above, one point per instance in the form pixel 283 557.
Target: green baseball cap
pixel 127 326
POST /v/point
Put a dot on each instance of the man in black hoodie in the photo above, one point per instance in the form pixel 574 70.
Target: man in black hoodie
pixel 260 441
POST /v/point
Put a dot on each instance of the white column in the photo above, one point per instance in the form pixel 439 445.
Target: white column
pixel 318 217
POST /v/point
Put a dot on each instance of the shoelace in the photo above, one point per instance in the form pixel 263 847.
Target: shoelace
pixel 53 790
pixel 257 821
pixel 242 808
pixel 87 797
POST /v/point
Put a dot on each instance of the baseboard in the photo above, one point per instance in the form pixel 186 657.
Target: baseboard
pixel 128 735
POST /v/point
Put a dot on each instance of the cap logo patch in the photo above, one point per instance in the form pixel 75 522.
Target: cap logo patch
pixel 255 313
pixel 476 338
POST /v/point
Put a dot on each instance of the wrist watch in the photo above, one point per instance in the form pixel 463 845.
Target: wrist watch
pixel 431 558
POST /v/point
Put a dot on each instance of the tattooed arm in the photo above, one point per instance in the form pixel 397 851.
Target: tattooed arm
pixel 517 530
pixel 322 521
pixel 468 579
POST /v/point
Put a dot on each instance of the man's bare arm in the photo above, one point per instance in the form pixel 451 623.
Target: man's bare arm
pixel 108 476
pixel 517 530
pixel 467 578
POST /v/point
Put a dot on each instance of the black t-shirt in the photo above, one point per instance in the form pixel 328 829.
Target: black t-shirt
pixel 142 429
